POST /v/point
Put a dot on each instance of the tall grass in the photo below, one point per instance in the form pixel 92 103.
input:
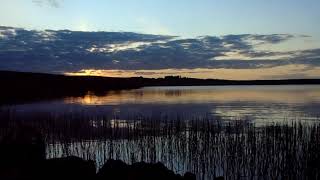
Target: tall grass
pixel 205 146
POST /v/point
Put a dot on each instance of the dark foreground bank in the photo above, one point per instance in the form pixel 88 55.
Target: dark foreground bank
pixel 22 156
pixel 76 168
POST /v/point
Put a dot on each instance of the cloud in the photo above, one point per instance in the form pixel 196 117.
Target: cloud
pixel 271 39
pixel 52 3
pixel 71 51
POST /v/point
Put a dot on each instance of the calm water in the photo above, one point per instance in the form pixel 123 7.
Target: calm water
pixel 271 131
pixel 260 104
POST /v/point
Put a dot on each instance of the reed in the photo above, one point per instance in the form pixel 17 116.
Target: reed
pixel 208 147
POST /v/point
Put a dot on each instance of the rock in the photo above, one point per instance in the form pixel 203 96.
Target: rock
pixel 114 169
pixel 189 176
pixel 68 167
pixel 118 170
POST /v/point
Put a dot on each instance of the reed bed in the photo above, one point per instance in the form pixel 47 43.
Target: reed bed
pixel 207 147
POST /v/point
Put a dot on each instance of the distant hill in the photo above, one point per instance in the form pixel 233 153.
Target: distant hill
pixel 25 86
pixel 16 86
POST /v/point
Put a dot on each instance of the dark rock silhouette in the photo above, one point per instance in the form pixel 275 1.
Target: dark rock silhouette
pixel 189 176
pixel 118 170
pixel 22 156
pixel 114 169
pixel 68 167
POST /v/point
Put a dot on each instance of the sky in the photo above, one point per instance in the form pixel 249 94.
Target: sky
pixel 187 18
pixel 293 26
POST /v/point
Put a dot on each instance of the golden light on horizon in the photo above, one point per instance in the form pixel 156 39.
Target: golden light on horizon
pixel 292 71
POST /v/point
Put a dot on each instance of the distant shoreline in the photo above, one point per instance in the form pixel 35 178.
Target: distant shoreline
pixel 171 79
pixel 22 86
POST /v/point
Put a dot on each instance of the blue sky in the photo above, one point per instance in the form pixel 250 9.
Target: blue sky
pixel 187 18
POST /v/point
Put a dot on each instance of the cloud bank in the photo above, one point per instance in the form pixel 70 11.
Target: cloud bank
pixel 67 51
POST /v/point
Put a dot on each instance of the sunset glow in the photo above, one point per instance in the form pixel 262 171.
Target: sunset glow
pixel 279 72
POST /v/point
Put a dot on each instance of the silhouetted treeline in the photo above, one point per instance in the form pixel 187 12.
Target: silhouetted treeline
pixel 184 81
pixel 20 86
pixel 17 86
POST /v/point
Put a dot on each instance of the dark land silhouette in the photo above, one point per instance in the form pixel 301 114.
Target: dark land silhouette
pixel 23 86
pixel 22 156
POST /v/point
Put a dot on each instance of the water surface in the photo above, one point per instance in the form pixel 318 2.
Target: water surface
pixel 248 132
pixel 259 104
